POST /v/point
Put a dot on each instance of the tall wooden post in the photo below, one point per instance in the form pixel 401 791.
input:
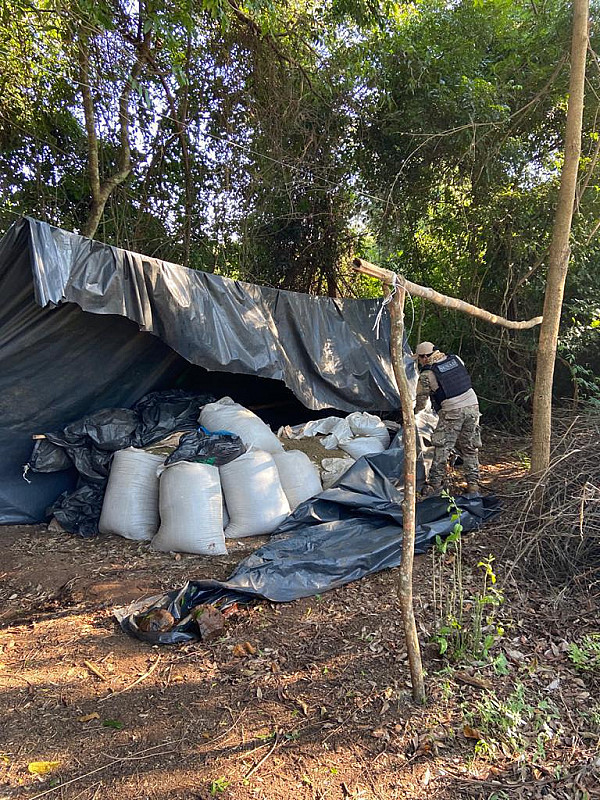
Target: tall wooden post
pixel 404 584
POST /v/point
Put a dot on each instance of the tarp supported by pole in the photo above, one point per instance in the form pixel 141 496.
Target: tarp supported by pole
pixel 85 326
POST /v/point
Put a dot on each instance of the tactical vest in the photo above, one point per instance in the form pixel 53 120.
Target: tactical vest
pixel 452 377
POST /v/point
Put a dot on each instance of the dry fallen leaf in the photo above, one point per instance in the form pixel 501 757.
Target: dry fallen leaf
pixel 89 717
pixel 472 680
pixel 425 746
pixel 303 706
pixel 42 767
pixel 471 733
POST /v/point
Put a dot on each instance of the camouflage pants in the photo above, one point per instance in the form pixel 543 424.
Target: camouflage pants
pixel 457 429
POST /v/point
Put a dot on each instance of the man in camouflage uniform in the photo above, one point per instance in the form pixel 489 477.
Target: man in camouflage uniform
pixel 445 380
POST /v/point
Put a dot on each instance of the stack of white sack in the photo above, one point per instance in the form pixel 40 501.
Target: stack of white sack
pixel 130 507
pixel 255 499
pixel 230 416
pixel 359 434
pixel 298 475
pixel 191 510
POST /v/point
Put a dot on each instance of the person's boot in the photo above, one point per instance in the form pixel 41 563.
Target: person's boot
pixel 473 488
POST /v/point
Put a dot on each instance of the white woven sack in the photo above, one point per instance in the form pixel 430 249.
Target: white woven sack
pixel 227 415
pixel 130 506
pixel 334 468
pixel 364 424
pixel 299 476
pixel 339 434
pixel 191 510
pixel 255 499
pixel 362 446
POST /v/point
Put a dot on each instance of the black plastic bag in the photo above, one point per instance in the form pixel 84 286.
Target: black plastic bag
pixel 90 443
pixel 161 413
pixel 215 447
pixel 79 511
pixel 49 457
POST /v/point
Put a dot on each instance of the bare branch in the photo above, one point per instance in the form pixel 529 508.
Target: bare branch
pixel 387 276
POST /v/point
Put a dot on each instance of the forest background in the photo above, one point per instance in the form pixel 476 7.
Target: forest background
pixel 275 140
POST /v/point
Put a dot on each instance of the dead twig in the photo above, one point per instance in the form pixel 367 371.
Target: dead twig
pixel 95 670
pixel 264 758
pixel 135 683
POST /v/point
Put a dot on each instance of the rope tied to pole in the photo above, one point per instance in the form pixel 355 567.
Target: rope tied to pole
pixel 386 300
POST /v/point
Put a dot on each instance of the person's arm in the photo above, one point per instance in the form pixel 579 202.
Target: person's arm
pixel 423 391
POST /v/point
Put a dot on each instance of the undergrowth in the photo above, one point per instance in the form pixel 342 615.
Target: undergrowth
pixel 466 628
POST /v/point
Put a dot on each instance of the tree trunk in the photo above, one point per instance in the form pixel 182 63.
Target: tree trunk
pixel 404 584
pixel 558 261
pixel 179 117
pixel 101 190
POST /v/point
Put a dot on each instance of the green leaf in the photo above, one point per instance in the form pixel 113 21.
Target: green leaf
pixel 113 723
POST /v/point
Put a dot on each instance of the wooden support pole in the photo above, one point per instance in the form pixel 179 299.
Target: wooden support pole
pixel 389 277
pixel 404 584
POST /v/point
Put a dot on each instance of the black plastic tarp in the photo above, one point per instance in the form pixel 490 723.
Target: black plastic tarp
pixel 323 349
pixel 85 326
pixel 344 534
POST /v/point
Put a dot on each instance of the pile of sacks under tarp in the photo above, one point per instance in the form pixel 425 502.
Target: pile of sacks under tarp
pixel 229 479
pixel 358 434
pixel 161 473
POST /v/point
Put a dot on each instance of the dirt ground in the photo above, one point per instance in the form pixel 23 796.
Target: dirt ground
pixel 320 709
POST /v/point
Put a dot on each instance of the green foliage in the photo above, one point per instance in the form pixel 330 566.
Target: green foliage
pixel 218 786
pixel 515 725
pixel 586 655
pixel 272 141
pixel 113 723
pixel 466 627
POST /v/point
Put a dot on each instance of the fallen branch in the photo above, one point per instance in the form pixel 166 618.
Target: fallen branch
pixel 393 279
